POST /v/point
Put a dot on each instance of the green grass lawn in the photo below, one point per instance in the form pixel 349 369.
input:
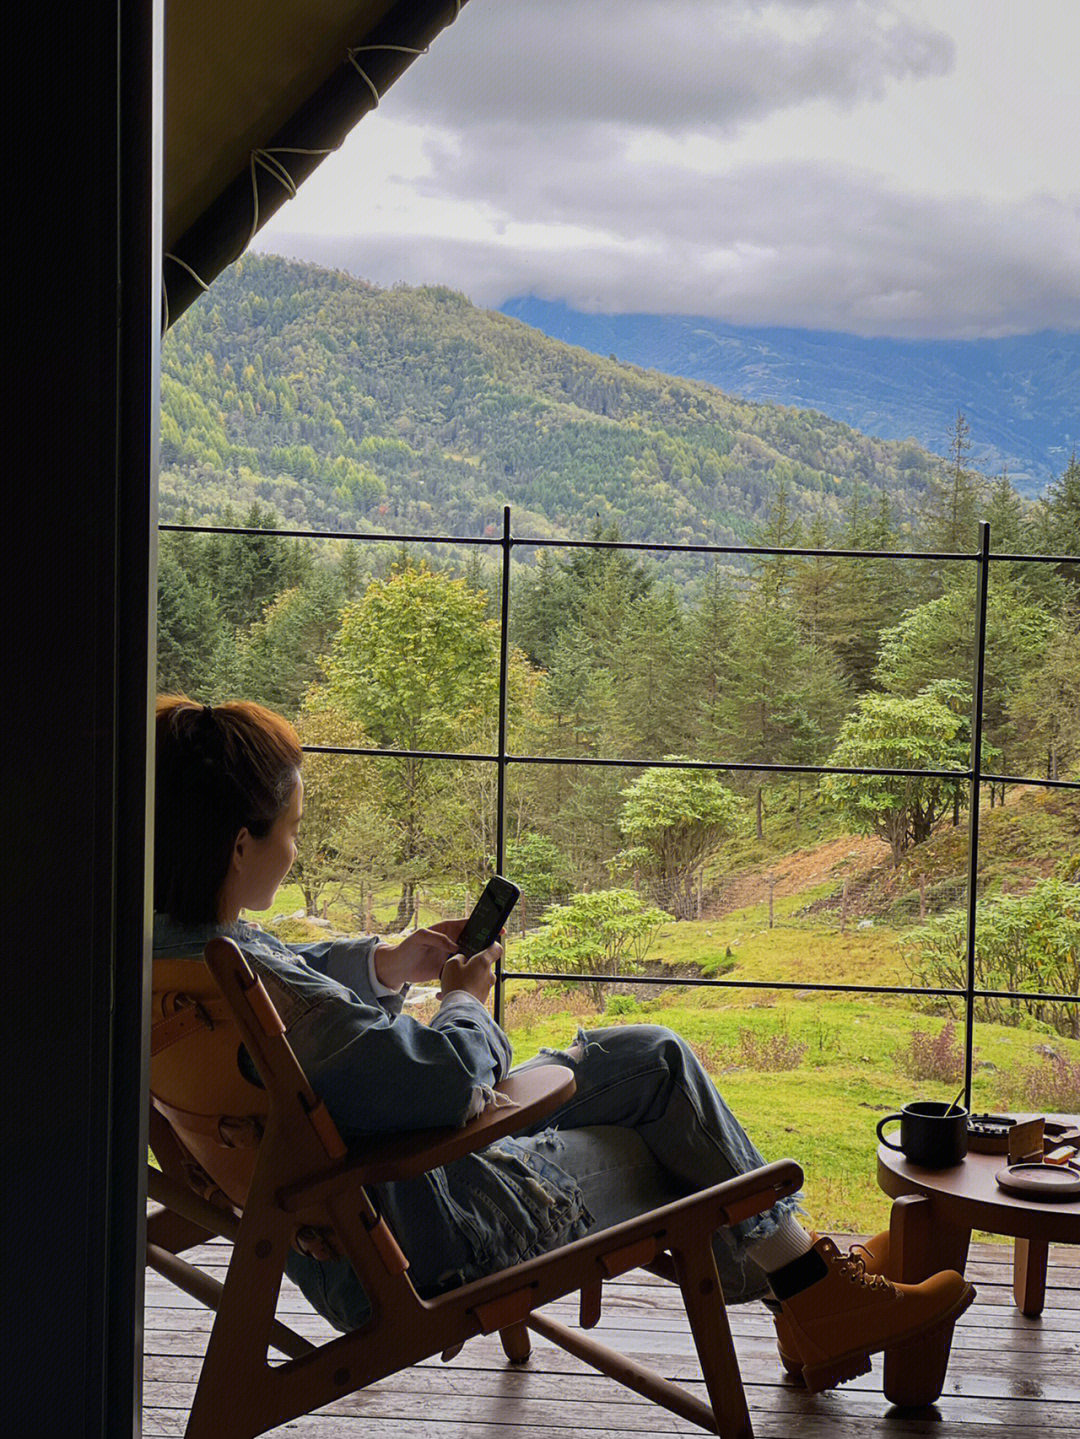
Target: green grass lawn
pixel 796 949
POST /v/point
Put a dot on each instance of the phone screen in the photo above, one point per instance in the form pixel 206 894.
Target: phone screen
pixel 492 911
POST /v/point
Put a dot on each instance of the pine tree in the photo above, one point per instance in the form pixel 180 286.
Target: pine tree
pixel 350 575
pixel 653 674
pixel 539 608
pixel 1013 531
pixel 814 586
pixel 781 529
pixel 188 629
pixel 575 716
pixel 247 571
pixel 1045 709
pixel 282 654
pixel 481 579
pixel 1005 514
pixel 785 698
pixel 603 584
pixel 951 511
pixel 1063 508
pixel 935 643
pixel 713 626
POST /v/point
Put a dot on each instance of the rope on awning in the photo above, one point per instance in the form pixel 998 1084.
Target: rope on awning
pixel 359 50
pixel 227 227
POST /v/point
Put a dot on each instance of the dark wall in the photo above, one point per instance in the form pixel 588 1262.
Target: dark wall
pixel 81 406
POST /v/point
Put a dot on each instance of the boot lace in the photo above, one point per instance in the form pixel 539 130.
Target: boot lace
pixel 853 1267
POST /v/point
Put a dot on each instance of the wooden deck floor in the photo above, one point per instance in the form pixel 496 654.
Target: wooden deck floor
pixel 1008 1376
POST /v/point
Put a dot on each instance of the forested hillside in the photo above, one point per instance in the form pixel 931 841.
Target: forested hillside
pixel 342 406
pixel 1020 393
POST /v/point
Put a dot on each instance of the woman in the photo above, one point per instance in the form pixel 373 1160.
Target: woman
pixel 644 1126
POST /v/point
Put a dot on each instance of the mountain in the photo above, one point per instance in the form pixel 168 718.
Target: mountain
pixel 347 407
pixel 1021 395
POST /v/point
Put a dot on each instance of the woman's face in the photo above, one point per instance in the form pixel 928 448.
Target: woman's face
pixel 259 865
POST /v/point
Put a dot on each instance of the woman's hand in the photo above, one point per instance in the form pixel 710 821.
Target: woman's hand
pixel 475 976
pixel 420 956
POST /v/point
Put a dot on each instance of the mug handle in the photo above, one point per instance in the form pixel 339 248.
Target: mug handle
pixel 881 1125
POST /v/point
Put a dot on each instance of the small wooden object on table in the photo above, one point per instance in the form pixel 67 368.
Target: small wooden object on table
pixel 933 1214
pixel 1031 1172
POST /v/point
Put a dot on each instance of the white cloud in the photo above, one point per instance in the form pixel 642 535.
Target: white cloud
pixel 819 249
pixel 664 64
pixel 881 166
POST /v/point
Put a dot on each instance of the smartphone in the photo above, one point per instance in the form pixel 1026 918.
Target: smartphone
pixel 492 910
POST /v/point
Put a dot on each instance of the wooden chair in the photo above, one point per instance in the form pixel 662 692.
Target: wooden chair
pixel 266 1168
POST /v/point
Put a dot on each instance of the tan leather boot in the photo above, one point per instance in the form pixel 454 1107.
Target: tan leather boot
pixel 836 1322
pixel 875 1257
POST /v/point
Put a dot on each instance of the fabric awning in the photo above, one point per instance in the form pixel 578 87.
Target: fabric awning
pixel 257 92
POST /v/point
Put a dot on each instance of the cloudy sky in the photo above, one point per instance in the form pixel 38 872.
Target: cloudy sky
pixel 888 167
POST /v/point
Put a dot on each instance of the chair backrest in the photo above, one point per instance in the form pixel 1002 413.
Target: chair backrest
pixel 196 1081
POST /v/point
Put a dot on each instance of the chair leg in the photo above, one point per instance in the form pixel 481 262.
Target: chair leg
pixel 629 1372
pixel 236 1357
pixel 516 1343
pixel 704 1301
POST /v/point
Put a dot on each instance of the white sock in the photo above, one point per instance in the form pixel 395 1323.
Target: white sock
pixel 788 1241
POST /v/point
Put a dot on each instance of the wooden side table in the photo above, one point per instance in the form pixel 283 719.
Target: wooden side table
pixel 933 1214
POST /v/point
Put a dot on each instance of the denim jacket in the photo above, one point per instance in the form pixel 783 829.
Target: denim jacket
pixel 378 1070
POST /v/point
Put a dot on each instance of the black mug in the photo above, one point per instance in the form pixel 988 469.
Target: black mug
pixel 932 1133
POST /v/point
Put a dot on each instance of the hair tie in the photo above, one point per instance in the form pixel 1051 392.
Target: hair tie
pixel 205 738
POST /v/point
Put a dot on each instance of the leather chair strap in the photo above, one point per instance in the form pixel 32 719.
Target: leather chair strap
pixel 188 1017
pixel 230 1131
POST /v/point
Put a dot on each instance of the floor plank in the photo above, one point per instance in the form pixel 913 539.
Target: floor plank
pixel 1008 1376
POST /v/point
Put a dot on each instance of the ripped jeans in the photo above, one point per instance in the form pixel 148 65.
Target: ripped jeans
pixel 647 1125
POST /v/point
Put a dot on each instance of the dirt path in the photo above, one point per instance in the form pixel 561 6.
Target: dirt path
pixel 851 857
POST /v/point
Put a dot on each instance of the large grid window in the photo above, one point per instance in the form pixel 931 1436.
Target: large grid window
pixel 965 962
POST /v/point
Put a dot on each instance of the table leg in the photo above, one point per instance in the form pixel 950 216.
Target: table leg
pixel 920 1244
pixel 1029 1275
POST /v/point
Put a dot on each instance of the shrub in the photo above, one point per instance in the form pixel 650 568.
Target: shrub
pixel 930 1056
pixel 525 1006
pixel 296 929
pixel 712 1058
pixel 605 931
pixel 1053 1084
pixel 1029 941
pixel 621 1004
pixel 773 1051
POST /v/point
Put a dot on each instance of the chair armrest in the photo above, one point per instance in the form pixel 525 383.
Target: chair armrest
pixel 378 1160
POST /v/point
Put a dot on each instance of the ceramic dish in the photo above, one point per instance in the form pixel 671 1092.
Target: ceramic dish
pixel 1041 1181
